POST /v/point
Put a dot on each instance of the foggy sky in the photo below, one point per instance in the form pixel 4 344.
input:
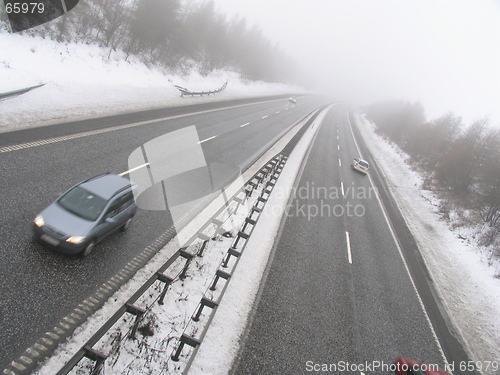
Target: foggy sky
pixel 444 53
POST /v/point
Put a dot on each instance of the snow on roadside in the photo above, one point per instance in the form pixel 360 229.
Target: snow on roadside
pixel 466 284
pixel 81 82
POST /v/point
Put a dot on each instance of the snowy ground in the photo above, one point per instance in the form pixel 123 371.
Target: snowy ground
pixel 466 279
pixel 81 82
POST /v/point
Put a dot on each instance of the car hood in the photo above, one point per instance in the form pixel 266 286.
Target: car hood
pixel 65 222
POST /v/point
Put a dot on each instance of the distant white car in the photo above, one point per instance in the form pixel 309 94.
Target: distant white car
pixel 292 100
pixel 360 165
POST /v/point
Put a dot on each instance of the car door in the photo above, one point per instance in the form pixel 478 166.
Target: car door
pixel 109 222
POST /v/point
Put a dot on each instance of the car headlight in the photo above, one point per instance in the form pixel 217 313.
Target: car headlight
pixel 75 239
pixel 39 221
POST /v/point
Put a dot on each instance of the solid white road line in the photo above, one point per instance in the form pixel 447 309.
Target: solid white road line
pixel 200 142
pixel 349 255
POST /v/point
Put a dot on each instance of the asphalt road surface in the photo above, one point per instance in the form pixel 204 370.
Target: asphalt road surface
pixel 40 286
pixel 338 296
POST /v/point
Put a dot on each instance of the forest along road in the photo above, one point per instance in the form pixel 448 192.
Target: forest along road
pixel 338 296
pixel 40 286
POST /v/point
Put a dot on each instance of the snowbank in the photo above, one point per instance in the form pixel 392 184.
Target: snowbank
pixel 81 82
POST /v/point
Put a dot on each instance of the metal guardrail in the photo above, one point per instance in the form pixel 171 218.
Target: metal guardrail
pixel 185 92
pixel 270 172
pixel 9 94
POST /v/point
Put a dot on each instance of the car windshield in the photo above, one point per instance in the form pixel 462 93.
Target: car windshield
pixel 82 203
pixel 363 164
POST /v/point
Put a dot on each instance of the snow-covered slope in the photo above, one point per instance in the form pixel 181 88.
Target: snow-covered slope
pixel 82 82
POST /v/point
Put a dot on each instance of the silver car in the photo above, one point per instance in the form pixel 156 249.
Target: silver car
pixel 360 165
pixel 86 214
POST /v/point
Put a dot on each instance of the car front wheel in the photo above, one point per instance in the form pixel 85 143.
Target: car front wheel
pixel 88 249
pixel 127 224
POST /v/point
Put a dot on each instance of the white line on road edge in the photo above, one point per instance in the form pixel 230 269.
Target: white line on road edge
pixel 244 124
pixel 349 255
pixel 200 142
pixel 400 251
pixel 133 169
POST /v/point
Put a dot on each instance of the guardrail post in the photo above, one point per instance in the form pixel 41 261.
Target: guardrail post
pixel 167 280
pixel 138 312
pixel 204 302
pixel 185 339
pixel 248 221
pixel 231 252
pixel 205 239
pixel 96 356
pixel 183 253
pixel 240 235
pixel 218 275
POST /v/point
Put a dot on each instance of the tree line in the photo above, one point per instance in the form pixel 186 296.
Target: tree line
pixel 461 160
pixel 179 35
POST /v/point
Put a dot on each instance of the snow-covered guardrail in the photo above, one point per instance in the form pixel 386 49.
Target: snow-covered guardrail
pixel 9 94
pixel 185 91
pixel 177 268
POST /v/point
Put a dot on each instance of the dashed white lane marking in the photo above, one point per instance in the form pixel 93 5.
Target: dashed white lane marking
pixel 338 147
pixel 340 163
pixel 241 126
pixel 342 188
pixel 133 169
pixel 349 254
pixel 208 139
pixel 263 117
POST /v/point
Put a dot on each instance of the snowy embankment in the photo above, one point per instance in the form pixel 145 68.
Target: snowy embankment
pixel 82 82
pixel 466 282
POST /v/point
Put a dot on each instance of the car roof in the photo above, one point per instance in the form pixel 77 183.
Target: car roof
pixel 105 186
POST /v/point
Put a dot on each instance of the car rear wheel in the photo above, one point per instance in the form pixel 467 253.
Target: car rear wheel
pixel 127 224
pixel 88 249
